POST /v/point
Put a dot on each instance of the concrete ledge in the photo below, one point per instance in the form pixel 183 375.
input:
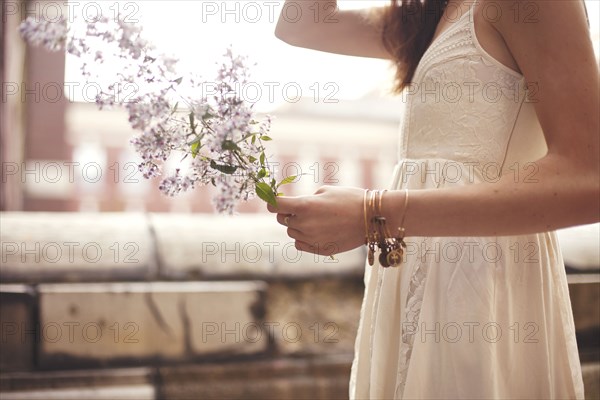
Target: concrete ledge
pixel 138 392
pixel 132 323
pixel 75 247
pixel 88 247
pixel 244 246
pixel 324 377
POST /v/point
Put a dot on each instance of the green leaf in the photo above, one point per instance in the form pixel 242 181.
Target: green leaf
pixel 230 145
pixel 265 192
pixel 226 169
pixel 262 173
pixel 288 180
pixel 265 138
pixel 251 159
pixel 175 108
pixel 195 148
pixel 262 158
pixel 253 139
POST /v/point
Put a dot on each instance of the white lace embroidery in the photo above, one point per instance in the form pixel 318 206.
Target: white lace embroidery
pixel 463 101
pixel 411 323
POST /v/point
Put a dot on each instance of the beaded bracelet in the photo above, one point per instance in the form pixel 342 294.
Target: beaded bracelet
pixel 377 234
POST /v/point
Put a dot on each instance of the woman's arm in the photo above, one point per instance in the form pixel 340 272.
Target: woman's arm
pixel 320 25
pixel 556 53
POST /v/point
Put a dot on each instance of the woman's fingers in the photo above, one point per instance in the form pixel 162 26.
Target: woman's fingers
pixel 325 249
pixel 326 223
pixel 285 205
pixel 303 241
pixel 288 220
pixel 303 246
pixel 298 235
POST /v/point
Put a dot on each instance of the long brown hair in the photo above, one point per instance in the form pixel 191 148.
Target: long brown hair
pixel 408 27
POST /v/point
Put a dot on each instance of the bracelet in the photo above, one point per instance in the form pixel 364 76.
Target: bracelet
pixel 377 234
pixel 365 216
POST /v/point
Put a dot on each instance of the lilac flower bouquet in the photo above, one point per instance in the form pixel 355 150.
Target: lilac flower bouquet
pixel 218 132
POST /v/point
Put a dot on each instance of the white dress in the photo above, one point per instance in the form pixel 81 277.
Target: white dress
pixel 467 317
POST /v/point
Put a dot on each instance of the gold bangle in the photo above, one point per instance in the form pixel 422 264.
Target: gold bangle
pixel 371 238
pixel 380 211
pixel 365 216
pixel 371 211
pixel 404 211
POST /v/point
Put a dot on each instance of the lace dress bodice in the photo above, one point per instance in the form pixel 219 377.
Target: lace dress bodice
pixel 464 105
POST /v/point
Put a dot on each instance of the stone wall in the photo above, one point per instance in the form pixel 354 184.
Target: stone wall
pixel 147 306
pixel 183 304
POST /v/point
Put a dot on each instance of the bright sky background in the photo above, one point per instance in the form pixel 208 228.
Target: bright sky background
pixel 197 32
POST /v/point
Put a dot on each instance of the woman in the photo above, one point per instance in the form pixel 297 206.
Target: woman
pixel 499 147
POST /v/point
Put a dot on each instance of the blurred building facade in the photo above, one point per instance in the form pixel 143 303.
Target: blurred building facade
pixel 60 155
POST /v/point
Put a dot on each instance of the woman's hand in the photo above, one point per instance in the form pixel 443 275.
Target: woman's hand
pixel 329 222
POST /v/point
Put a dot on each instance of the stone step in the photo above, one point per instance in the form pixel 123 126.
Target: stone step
pixel 281 378
pixel 137 392
pixel 323 377
pixel 582 279
pixel 70 379
pixel 107 324
pixel 121 383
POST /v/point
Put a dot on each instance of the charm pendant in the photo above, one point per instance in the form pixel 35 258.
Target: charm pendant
pixel 383 258
pixel 394 258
